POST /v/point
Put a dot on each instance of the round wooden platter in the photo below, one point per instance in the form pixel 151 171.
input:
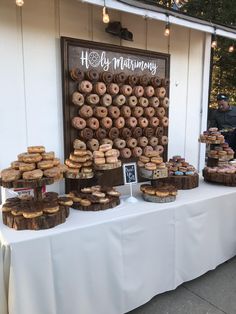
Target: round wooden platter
pixel 153 174
pixel 228 179
pixel 157 199
pixel 45 221
pixel 79 176
pixel 21 183
pixel 211 142
pixel 180 182
pixel 108 166
pixel 114 201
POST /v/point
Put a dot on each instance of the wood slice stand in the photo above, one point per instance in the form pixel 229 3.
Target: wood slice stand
pixel 79 176
pixel 114 201
pixel 108 166
pixel 228 179
pixel 157 199
pixel 153 174
pixel 180 182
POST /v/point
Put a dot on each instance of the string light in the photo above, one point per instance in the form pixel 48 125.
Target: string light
pixel 167 27
pixel 214 41
pixel 231 48
pixel 19 3
pixel 105 16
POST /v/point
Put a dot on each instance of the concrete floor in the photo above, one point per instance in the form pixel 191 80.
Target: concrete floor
pixel 212 293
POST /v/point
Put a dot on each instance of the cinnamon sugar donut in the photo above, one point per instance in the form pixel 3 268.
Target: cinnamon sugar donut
pixel 119 123
pixel 156 81
pixel 92 99
pixel 126 90
pixel 148 132
pixel 100 112
pixel 143 122
pixel 113 89
pixel 160 92
pixel 93 123
pixel 106 100
pixel 153 141
pixel 149 112
pixel 138 91
pixel 125 111
pixel 159 149
pixel 142 141
pixel 137 132
pixel 120 78
pixel 93 144
pixel 137 151
pixel 92 75
pixel 143 102
pixel 86 111
pixel 165 122
pixel 113 133
pixel 86 134
pixel 159 131
pixel 131 142
pixel 132 80
pixel 77 99
pixel 154 122
pixel 165 102
pixel 137 112
pixel 101 134
pixel 119 100
pixel 106 77
pixel 85 87
pixel 164 140
pixel 154 102
pixel 149 91
pixel 100 88
pixel 144 80
pixel 125 153
pixel 160 112
pixel 106 122
pixel 131 122
pixel 113 112
pixel 119 143
pixel 125 133
pixel 132 101
pixel 78 123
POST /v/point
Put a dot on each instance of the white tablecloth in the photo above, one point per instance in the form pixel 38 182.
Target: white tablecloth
pixel 115 260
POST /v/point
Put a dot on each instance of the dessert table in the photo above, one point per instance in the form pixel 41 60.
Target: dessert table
pixel 115 260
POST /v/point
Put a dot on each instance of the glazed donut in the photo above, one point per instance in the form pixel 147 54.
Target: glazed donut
pixel 125 133
pixel 92 99
pixel 131 122
pixel 147 150
pixel 99 88
pixel 160 112
pixel 100 112
pixel 154 122
pixel 78 144
pixel 77 75
pixel 86 112
pixel 160 92
pixel 119 122
pixel 113 89
pixel 93 144
pixel 77 99
pixel 92 75
pixel 149 112
pixel 120 78
pixel 101 133
pixel 144 80
pixel 142 141
pixel 107 141
pixel 153 141
pixel 126 90
pixel 165 102
pixel 164 140
pixel 132 80
pixel 125 153
pixel 106 77
pixel 143 102
pixel 137 151
pixel 137 132
pixel 85 87
pixel 149 91
pixel 125 111
pixel 138 91
pixel 165 122
pixel 119 143
pixel 78 123
pixel 119 100
pixel 106 122
pixel 165 82
pixel 105 147
pixel 131 142
pixel 93 123
pixel 132 101
pixel 113 133
pixel 137 112
pixel 148 132
pixel 113 112
pixel 106 100
pixel 156 81
pixel 143 122
pixel 159 149
pixel 86 134
pixel 159 131
pixel 154 102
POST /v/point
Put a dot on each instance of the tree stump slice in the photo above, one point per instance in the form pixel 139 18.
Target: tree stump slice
pixel 80 176
pixel 180 182
pixel 108 166
pixel 157 199
pixel 228 179
pixel 27 183
pixel 115 201
pixel 153 174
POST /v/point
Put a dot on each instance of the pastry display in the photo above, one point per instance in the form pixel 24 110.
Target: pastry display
pixel 106 157
pixel 212 136
pixel 163 193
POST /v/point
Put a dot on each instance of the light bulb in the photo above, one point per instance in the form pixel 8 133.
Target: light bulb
pixel 231 48
pixel 19 3
pixel 214 44
pixel 167 30
pixel 105 16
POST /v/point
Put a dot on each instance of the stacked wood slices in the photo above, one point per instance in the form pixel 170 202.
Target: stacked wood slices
pixel 163 193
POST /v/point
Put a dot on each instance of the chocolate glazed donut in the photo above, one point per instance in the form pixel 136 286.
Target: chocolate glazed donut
pixel 113 133
pixel 106 77
pixel 120 78
pixel 86 134
pixel 125 133
pixel 164 140
pixel 148 132
pixel 142 141
pixel 92 75
pixel 101 133
pixel 132 80
pixel 159 131
pixel 77 75
pixel 144 80
pixel 165 82
pixel 93 144
pixel 156 81
pixel 137 132
pixel 119 143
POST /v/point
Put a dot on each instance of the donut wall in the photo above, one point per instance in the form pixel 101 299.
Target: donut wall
pixel 115 95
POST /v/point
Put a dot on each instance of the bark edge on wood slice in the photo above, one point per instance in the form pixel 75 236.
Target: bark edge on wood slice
pixel 108 166
pixel 21 183
pixel 157 199
pixel 180 182
pixel 115 201
pixel 228 179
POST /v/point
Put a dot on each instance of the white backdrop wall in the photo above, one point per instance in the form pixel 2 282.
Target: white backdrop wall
pixel 30 72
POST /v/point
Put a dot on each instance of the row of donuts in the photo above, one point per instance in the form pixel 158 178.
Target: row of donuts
pixel 107 77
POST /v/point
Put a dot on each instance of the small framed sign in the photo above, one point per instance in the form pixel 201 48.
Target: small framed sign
pixel 130 173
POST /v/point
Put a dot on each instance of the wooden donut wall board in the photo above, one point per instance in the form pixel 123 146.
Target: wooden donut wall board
pixel 88 56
